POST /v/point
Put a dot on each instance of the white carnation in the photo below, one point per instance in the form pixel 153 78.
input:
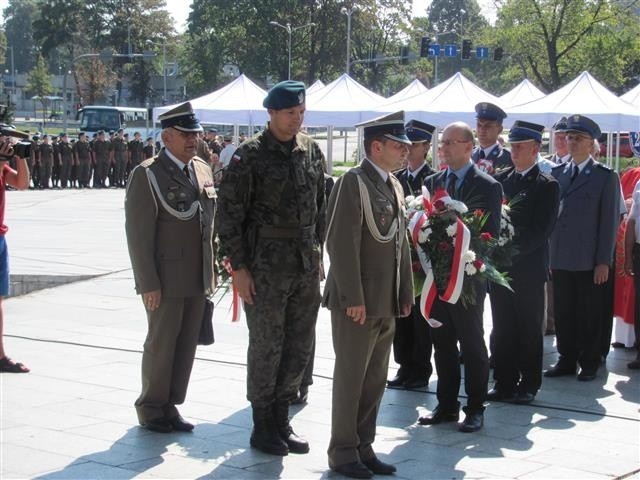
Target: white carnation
pixel 423 236
pixel 415 204
pixel 483 267
pixel 503 223
pixel 511 230
pixel 408 199
pixel 469 256
pixel 459 207
pixel 469 269
pixel 451 230
pixel 502 241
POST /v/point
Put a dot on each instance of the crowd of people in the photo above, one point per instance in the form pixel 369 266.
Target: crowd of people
pixel 107 159
pixel 274 220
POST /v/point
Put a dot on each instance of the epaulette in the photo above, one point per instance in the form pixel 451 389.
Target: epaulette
pixel 560 165
pixel 146 163
pixel 604 167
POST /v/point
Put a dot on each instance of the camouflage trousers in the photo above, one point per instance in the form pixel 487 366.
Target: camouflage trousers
pixel 281 325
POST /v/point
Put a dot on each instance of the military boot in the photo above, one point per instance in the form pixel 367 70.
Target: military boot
pixel 295 443
pixel 265 436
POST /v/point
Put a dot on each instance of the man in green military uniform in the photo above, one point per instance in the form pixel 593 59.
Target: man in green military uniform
pixel 119 158
pixel 82 156
pixel 170 208
pixel 136 154
pixel 65 155
pixel 272 220
pixel 46 161
pixel 100 150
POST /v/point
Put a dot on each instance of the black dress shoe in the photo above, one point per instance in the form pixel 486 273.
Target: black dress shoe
pixel 559 370
pixel 397 381
pixel 159 425
pixel 473 421
pixel 439 415
pixel 586 375
pixel 353 470
pixel 180 424
pixel 378 467
pixel 495 395
pixel 524 398
pixel 416 382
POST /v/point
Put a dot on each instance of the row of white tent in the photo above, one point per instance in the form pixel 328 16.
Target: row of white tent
pixel 344 103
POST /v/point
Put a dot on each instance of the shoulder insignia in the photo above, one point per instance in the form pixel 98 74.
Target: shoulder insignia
pixel 604 167
pixel 148 162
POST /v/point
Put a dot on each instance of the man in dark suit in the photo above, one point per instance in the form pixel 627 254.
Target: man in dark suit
pixel 169 209
pixel 464 181
pixel 412 344
pixel 369 284
pixel 518 314
pixel 490 156
pixel 581 250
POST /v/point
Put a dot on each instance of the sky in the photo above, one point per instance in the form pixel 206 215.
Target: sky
pixel 179 10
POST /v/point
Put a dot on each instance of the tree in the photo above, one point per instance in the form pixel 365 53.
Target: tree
pixel 39 85
pixel 19 16
pixel 97 79
pixel 551 41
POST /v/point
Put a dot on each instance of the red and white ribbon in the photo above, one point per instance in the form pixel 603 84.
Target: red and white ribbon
pixel 461 245
pixel 235 296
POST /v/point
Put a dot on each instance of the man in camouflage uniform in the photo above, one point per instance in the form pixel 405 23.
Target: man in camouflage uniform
pixel 82 157
pixel 272 220
pixel 100 151
pixel 119 158
pixel 66 159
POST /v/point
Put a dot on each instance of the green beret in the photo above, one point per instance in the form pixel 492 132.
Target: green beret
pixel 285 94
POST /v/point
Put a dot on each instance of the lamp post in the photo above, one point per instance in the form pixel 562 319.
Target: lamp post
pixel 348 12
pixel 435 57
pixel 289 29
pixel 164 69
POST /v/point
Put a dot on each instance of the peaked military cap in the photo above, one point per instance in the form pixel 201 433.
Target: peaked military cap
pixel 389 126
pixel 419 132
pixel 522 131
pixel 489 111
pixel 560 125
pixel 181 118
pixel 582 124
pixel 100 132
pixel 287 94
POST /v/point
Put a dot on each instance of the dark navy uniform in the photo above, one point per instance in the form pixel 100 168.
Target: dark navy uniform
pixel 498 159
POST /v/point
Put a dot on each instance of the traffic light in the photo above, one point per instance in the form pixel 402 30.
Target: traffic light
pixel 404 53
pixel 497 54
pixel 424 47
pixel 466 49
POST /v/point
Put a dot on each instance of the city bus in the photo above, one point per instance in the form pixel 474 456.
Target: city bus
pixel 110 119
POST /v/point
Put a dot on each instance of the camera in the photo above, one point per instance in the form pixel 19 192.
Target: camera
pixel 20 148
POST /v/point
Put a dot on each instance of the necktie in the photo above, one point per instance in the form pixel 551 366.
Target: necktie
pixel 451 184
pixel 482 155
pixel 575 173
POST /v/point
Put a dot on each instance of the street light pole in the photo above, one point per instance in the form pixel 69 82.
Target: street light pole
pixel 435 57
pixel 290 31
pixel 348 12
pixel 13 73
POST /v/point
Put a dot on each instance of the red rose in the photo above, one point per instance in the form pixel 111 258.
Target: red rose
pixel 444 246
pixel 478 213
pixel 485 236
pixel 478 264
pixel 439 205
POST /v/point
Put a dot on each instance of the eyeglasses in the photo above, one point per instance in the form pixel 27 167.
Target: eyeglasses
pixel 448 143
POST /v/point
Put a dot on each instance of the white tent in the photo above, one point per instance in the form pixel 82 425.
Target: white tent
pixel 237 103
pixel 317 85
pixel 414 88
pixel 524 92
pixel 342 103
pixel 632 96
pixel 452 100
pixel 585 96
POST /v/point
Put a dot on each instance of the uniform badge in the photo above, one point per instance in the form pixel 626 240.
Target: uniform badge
pixel 301 98
pixel 236 158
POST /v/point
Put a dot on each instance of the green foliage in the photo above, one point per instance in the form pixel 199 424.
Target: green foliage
pixel 39 84
pixel 19 16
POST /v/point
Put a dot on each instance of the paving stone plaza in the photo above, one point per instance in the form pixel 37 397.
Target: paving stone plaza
pixel 72 417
